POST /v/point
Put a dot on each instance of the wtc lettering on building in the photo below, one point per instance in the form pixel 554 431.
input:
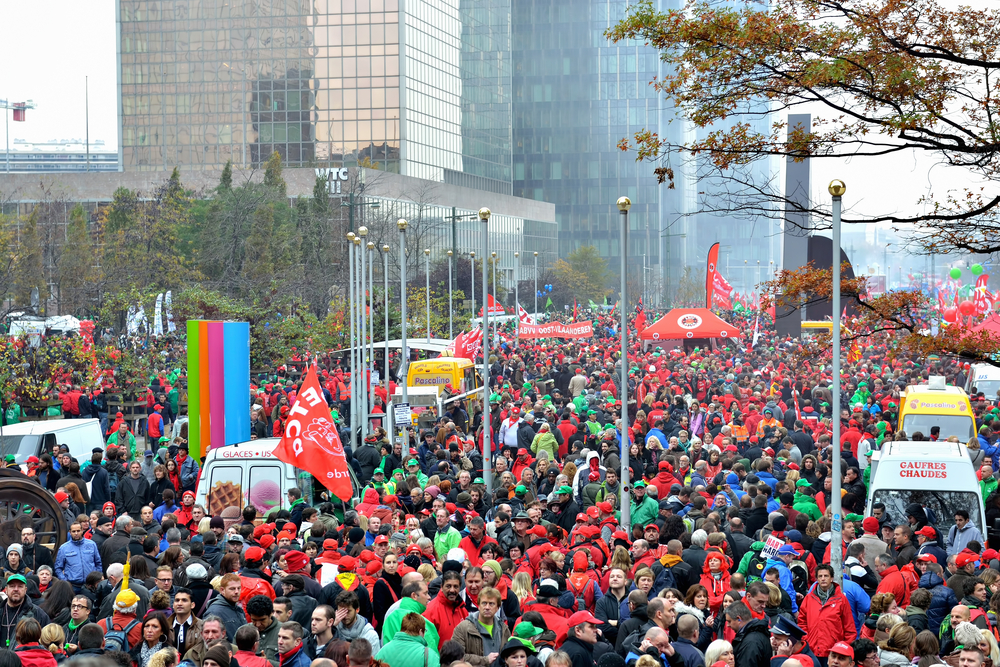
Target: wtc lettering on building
pixel 334 177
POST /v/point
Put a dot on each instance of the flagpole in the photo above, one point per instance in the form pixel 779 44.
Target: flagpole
pixel 401 225
pixel 385 286
pixel 362 233
pixel 536 288
pixel 350 321
pixel 472 270
pixel 451 333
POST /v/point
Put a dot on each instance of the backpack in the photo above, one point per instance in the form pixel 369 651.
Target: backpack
pixel 112 483
pixel 800 576
pixel 755 568
pixel 580 593
pixel 117 640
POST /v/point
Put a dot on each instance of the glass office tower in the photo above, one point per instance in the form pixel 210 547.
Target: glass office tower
pixel 420 87
pixel 576 95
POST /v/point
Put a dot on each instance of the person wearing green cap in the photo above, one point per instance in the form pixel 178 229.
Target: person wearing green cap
pixel 413 468
pixel 562 508
pixel 644 509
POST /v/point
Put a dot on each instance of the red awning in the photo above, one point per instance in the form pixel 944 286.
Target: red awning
pixel 681 323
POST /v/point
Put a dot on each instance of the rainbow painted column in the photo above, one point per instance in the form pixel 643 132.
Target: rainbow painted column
pixel 218 384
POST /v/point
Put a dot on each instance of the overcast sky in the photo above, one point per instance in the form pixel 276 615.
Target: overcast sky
pixel 47 50
pixel 49 47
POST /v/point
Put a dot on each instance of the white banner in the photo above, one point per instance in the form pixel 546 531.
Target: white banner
pixel 158 316
pixel 171 326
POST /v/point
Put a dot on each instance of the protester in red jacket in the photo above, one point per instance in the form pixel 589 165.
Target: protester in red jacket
pixel 825 614
pixel 892 580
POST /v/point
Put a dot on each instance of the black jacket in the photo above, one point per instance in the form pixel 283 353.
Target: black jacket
pixel 740 544
pixel 607 609
pixel 580 653
pixel 116 544
pixel 25 610
pixel 100 484
pixel 638 622
pixel 35 556
pixel 131 501
pixel 369 459
pixel 752 645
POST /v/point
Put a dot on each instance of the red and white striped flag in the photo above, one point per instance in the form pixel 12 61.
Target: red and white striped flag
pixel 524 316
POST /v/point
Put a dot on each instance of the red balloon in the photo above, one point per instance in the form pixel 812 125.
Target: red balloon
pixel 950 314
pixel 967 308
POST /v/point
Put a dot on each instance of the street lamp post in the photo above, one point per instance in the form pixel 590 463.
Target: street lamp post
pixel 836 189
pixel 427 288
pixel 624 204
pixel 370 366
pixel 536 288
pixel 494 256
pixel 484 215
pixel 385 287
pixel 351 318
pixel 363 322
pixel 401 225
pixel 472 270
pixel 517 304
pixel 451 333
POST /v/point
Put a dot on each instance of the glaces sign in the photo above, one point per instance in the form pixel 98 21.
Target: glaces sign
pixel 333 177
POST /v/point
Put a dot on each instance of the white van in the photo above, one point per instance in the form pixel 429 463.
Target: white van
pixel 984 378
pixel 248 472
pixel 34 438
pixel 938 475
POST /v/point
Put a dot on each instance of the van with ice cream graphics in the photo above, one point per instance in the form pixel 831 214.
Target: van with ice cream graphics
pixel 937 475
pixel 924 406
pixel 248 473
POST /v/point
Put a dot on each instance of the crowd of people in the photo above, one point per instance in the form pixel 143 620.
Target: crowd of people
pixel 724 561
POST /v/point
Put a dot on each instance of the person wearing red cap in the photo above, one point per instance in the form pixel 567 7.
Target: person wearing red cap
pixel 841 655
pixel 927 545
pixel 581 637
pixel 154 424
pixel 253 578
pixel 825 614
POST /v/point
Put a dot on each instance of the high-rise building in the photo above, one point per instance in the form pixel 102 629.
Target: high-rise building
pixel 416 87
pixel 576 96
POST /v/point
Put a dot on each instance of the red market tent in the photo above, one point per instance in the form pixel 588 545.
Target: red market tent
pixel 990 324
pixel 688 323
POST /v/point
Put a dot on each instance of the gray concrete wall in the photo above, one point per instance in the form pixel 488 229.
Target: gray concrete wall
pixel 99 187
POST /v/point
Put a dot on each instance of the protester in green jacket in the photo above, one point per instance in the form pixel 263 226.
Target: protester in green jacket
pixel 989 483
pixel 643 508
pixel 804 502
pixel 407 605
pixel 412 645
pixel 545 441
pixel 119 438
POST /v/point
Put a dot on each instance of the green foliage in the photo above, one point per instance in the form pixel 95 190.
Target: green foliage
pixel 583 275
pixel 28 268
pixel 76 264
pixel 272 174
pixel 226 181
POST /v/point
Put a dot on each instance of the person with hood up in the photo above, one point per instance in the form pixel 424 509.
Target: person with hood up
pixel 545 441
pixel 583 473
pixel 148 466
pixel 369 502
pixel 715 577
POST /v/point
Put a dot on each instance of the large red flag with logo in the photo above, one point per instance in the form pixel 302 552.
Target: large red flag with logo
pixel 311 442
pixel 713 262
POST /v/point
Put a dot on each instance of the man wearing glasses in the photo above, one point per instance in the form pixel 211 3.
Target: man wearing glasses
pixel 165 581
pixel 79 613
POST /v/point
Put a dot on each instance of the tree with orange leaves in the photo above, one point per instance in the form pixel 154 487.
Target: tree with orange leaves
pixel 890 77
pixel 900 320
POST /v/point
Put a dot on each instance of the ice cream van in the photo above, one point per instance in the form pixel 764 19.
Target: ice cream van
pixel 984 379
pixel 459 373
pixel 924 406
pixel 247 473
pixel 937 475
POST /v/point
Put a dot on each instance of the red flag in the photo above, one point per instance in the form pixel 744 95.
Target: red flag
pixel 495 307
pixel 640 319
pixel 465 345
pixel 311 442
pixel 713 262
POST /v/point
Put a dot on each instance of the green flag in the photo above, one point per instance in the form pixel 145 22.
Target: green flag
pixel 593 306
pixel 548 304
pixel 605 299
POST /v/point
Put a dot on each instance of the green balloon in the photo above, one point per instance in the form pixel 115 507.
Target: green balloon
pixel 977 269
pixel 955 273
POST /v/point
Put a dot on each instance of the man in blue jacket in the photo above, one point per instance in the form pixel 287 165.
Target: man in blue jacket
pixel 77 558
pixel 779 563
pixel 187 468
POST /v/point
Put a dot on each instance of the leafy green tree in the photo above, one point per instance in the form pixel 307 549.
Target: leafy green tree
pixel 584 274
pixel 272 174
pixel 76 264
pixel 226 181
pixel 28 269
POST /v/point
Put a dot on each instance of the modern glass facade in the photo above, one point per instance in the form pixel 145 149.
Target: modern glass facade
pixel 576 95
pixel 321 82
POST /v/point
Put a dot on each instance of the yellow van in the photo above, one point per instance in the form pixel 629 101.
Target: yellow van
pixel 935 404
pixel 459 373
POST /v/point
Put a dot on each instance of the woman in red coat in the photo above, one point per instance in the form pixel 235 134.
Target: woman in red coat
pixel 31 653
pixel 715 578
